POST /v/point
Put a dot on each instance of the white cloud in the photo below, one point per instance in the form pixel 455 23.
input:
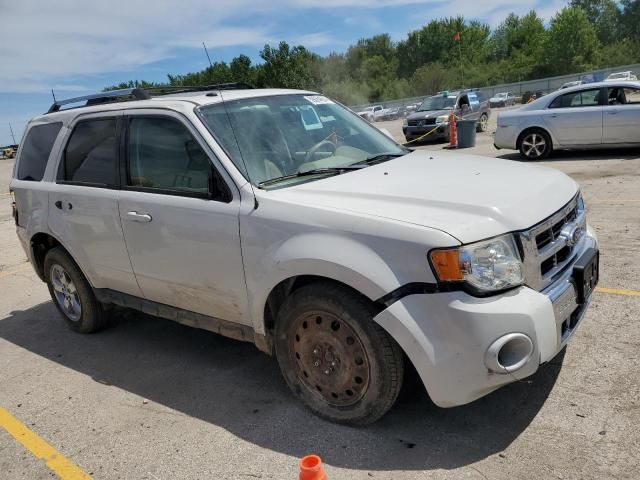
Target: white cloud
pixel 55 42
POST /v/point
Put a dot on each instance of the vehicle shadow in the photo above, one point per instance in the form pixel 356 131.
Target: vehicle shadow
pixel 232 385
pixel 577 155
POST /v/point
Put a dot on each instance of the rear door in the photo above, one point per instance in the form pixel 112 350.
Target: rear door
pixel 575 118
pixel 622 115
pixel 83 203
pixel 180 218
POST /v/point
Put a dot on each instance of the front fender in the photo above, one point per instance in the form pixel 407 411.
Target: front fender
pixel 332 256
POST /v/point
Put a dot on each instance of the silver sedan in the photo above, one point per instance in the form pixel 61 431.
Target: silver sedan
pixel 595 115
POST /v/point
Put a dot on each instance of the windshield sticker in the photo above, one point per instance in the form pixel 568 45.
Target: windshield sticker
pixel 318 99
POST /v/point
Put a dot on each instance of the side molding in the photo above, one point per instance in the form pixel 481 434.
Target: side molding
pixel 225 328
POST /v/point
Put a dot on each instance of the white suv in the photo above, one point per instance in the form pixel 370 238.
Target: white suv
pixel 280 217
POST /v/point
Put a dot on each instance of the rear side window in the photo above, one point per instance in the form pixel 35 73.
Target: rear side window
pixel 91 156
pixel 36 150
pixel 585 98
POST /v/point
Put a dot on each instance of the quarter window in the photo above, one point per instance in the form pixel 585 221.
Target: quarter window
pixel 584 98
pixel 91 156
pixel 36 150
pixel 164 156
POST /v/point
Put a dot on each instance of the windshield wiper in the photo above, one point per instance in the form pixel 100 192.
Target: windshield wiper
pixel 380 157
pixel 313 171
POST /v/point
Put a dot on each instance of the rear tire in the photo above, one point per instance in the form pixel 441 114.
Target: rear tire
pixel 71 293
pixel 483 123
pixel 334 357
pixel 535 144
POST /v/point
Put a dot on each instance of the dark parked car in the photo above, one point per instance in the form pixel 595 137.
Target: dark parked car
pixel 433 114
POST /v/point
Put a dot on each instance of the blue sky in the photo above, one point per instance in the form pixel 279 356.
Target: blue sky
pixel 79 46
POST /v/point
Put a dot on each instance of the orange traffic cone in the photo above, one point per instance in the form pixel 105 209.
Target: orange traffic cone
pixel 311 468
pixel 453 133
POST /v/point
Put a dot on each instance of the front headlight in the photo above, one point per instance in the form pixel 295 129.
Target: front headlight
pixel 487 266
pixel 442 119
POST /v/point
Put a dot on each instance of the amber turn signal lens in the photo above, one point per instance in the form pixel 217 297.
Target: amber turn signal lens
pixel 446 263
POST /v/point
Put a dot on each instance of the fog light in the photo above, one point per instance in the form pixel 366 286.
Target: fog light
pixel 509 353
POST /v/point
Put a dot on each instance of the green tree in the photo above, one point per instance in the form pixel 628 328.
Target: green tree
pixel 572 44
pixel 605 16
pixel 431 78
pixel 288 67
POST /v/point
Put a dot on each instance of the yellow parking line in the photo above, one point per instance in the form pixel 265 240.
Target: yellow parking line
pixel 5 194
pixel 41 449
pixel 19 269
pixel 619 291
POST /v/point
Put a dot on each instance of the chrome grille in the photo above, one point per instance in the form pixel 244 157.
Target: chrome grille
pixel 550 247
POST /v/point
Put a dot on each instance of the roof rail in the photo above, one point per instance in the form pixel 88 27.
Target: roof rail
pixel 142 94
pixel 172 89
pixel 102 97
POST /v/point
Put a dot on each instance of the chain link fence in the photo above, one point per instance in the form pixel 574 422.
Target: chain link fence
pixel 544 85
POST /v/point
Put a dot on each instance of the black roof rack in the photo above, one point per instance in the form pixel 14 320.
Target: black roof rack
pixel 103 97
pixel 171 89
pixel 126 94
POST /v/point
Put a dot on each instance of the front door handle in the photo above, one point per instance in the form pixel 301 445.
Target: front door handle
pixel 614 112
pixel 139 217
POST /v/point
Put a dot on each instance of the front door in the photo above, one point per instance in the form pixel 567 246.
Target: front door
pixel 180 219
pixel 575 118
pixel 622 115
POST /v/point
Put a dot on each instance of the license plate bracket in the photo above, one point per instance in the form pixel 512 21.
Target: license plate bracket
pixel 586 273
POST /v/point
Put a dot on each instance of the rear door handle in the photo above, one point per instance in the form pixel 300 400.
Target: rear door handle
pixel 614 112
pixel 139 217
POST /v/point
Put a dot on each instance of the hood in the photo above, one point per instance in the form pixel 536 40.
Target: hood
pixel 428 114
pixel 467 196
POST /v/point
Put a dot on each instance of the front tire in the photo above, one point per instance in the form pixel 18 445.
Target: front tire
pixel 71 293
pixel 334 357
pixel 535 145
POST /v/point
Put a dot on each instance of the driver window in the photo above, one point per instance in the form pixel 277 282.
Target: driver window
pixel 464 100
pixel 164 156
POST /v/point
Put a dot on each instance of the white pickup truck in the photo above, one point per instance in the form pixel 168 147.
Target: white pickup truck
pixel 372 113
pixel 281 218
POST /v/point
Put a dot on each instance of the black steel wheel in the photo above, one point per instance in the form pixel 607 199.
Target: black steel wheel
pixel 334 357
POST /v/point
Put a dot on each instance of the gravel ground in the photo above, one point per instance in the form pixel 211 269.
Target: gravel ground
pixel 150 399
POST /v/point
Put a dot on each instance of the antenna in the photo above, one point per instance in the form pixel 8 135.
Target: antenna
pixel 53 95
pixel 12 135
pixel 208 57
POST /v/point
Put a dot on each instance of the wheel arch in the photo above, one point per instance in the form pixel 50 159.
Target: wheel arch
pixel 40 244
pixel 286 287
pixel 531 129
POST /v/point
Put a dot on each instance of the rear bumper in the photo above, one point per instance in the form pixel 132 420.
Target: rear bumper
pixel 506 137
pixel 453 338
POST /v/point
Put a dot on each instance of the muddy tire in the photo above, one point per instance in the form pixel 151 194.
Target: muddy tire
pixel 71 293
pixel 334 357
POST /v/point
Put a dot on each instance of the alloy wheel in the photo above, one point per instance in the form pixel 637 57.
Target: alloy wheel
pixel 66 293
pixel 534 145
